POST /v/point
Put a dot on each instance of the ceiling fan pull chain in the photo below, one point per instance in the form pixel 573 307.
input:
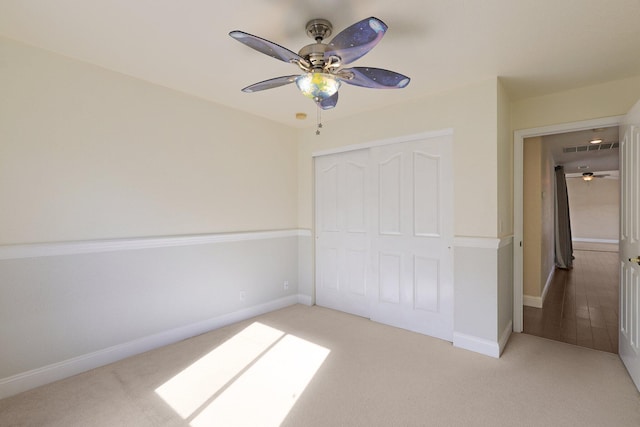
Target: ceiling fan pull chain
pixel 319 120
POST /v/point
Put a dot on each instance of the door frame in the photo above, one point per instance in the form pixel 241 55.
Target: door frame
pixel 518 208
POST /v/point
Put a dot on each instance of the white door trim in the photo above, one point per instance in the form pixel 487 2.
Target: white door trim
pixel 518 158
pixel 381 142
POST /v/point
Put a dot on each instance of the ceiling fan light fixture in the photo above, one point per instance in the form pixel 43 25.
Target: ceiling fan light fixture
pixel 587 176
pixel 318 86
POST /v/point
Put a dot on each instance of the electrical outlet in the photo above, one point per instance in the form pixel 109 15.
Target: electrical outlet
pixel 243 295
pixel 285 285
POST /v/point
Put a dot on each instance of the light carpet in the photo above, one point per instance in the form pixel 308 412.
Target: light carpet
pixel 311 366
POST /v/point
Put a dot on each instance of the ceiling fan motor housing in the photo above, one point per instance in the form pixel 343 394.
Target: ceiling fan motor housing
pixel 314 53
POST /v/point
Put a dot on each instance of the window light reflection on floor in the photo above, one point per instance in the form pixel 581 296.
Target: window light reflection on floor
pixel 196 384
pixel 254 378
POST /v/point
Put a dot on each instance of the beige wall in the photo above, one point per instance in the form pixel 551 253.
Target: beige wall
pixel 87 153
pixel 472 114
pixel 547 232
pixel 592 102
pixel 594 208
pixel 532 215
pixel 538 216
pixel 505 164
pixel 90 154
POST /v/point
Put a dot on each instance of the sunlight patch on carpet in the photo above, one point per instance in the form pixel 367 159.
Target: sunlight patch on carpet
pixel 254 378
pixel 195 385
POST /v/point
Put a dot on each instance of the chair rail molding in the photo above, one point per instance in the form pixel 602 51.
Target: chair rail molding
pixel 34 250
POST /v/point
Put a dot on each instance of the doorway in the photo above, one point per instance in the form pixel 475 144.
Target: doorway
pixel 519 138
pixel 578 302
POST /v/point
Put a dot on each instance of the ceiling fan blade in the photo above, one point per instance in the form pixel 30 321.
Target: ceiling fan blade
pixel 270 84
pixel 329 103
pixel 265 46
pixel 355 41
pixel 375 78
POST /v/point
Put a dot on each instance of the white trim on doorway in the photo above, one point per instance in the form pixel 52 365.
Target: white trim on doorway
pixel 518 158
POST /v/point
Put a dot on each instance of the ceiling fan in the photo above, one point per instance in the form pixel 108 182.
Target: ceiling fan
pixel 322 64
pixel 588 176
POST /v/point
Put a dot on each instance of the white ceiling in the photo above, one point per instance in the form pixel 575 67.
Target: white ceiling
pixel 537 46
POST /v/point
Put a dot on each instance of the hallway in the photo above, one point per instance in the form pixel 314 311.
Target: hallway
pixel 581 306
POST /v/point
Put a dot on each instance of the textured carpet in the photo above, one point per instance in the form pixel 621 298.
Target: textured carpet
pixel 310 366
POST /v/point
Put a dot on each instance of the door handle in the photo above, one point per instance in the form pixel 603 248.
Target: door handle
pixel 636 259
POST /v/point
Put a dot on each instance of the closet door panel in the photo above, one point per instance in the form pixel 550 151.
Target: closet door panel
pixel 414 195
pixel 342 232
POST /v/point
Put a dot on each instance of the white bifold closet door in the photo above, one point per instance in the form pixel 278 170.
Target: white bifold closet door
pixel 342 231
pixel 384 230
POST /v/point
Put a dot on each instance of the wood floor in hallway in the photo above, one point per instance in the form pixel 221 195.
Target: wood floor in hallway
pixel 581 306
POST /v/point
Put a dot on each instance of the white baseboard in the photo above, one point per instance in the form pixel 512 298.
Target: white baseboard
pixel 538 302
pixel 305 299
pixel 27 380
pixel 590 240
pixel 530 301
pixel 481 345
pixel 475 344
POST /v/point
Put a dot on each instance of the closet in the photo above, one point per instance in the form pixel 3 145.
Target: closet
pixel 384 232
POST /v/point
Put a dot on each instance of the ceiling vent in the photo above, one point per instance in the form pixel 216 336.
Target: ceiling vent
pixel 598 147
